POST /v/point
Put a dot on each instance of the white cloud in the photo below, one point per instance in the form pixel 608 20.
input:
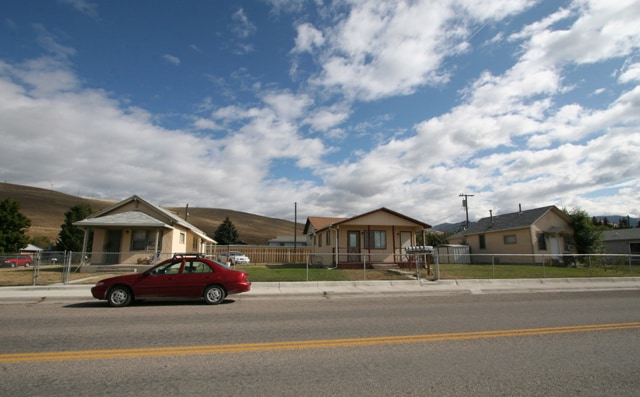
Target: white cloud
pixel 308 38
pixel 242 27
pixel 631 74
pixel 172 59
pixel 383 48
pixel 86 7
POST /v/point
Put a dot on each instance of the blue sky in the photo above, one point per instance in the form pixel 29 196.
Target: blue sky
pixel 339 106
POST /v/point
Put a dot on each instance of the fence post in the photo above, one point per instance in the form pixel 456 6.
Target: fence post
pixel 493 266
pixel 308 267
pixel 66 269
pixel 364 266
pixel 36 270
pixel 544 269
pixel 436 265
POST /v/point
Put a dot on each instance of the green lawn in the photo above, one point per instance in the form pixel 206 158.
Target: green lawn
pixel 457 271
pixel 299 273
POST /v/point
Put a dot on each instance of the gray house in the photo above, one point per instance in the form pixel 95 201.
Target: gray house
pixel 622 241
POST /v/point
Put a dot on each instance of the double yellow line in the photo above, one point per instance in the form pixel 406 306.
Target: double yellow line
pixel 292 345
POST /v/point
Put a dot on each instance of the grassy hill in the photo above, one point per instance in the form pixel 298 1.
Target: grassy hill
pixel 45 208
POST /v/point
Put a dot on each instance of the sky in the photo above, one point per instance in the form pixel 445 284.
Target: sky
pixel 292 108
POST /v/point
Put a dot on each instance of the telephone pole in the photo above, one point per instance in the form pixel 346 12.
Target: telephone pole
pixel 466 206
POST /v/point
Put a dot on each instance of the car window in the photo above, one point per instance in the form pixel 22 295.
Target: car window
pixel 169 268
pixel 196 266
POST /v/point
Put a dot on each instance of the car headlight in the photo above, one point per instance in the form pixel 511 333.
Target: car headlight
pixel 99 283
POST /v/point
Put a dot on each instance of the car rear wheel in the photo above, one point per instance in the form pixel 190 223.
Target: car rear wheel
pixel 214 294
pixel 119 296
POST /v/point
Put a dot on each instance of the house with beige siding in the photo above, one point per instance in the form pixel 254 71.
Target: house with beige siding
pixel 529 236
pixel 136 231
pixel 376 237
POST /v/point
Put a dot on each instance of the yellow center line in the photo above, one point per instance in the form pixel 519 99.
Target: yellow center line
pixel 292 345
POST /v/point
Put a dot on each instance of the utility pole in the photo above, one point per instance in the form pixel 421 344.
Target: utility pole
pixel 465 204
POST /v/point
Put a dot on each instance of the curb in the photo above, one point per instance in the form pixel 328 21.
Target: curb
pixel 294 289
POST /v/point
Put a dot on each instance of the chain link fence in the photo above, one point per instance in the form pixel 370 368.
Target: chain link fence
pixel 48 267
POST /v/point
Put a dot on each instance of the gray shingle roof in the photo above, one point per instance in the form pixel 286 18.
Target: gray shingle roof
pixel 514 220
pixel 130 218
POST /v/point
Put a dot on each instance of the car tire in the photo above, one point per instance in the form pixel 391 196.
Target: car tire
pixel 26 265
pixel 119 296
pixel 13 264
pixel 214 294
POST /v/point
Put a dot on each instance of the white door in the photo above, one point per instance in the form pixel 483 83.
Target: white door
pixel 554 245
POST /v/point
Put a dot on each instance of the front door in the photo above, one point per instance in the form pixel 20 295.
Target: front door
pixel 112 247
pixel 353 246
pixel 554 244
pixel 405 241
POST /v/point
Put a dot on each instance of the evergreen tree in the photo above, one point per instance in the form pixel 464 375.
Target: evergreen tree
pixel 587 237
pixel 13 226
pixel 226 233
pixel 71 237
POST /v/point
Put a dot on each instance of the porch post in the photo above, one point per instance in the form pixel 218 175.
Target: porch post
pixel 85 241
pixel 155 248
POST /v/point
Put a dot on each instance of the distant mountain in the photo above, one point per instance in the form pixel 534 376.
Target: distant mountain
pixel 45 208
pixel 615 219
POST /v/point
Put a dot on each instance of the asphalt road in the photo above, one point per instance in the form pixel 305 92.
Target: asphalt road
pixel 546 344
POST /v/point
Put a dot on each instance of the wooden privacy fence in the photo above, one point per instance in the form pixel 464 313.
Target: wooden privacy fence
pixel 262 254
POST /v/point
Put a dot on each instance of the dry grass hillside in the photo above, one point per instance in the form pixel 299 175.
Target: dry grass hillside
pixel 46 208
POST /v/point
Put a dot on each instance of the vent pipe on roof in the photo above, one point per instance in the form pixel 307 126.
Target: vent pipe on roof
pixel 491 216
pixel 520 208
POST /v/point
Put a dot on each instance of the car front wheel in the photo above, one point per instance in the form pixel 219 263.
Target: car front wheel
pixel 214 294
pixel 119 296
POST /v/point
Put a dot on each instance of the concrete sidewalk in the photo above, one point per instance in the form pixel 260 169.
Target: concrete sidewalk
pixel 76 292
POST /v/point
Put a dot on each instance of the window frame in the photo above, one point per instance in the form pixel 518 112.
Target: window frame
pixel 375 239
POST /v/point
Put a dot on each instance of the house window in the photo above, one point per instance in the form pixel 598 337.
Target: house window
pixel 542 242
pixel 194 245
pixel 510 239
pixel 376 239
pixel 144 240
pixel 138 240
pixel 483 242
pixel 320 240
pixel 328 239
pixel 182 238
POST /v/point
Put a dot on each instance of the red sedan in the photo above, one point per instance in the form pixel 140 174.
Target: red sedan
pixel 183 276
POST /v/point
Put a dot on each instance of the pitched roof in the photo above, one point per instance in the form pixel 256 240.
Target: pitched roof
pixel 319 223
pixel 514 220
pixel 621 234
pixel 139 218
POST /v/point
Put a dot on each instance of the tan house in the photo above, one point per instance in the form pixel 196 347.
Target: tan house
pixel 379 236
pixel 136 231
pixel 529 236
